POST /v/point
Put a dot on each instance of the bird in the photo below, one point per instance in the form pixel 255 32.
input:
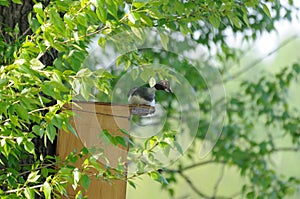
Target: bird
pixel 145 95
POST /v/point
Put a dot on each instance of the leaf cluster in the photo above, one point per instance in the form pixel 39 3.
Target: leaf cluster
pixel 33 94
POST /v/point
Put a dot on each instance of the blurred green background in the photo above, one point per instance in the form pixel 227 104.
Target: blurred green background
pixel 287 163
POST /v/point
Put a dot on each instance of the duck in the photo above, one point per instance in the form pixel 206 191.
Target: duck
pixel 145 95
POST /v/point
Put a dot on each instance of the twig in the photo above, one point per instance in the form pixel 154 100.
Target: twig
pixel 22 189
pixel 32 187
pixel 193 187
pixel 183 197
pixel 24 33
pixel 198 164
pixel 198 192
pixel 281 149
pixel 259 60
pixel 201 164
pixel 218 181
pixel 192 166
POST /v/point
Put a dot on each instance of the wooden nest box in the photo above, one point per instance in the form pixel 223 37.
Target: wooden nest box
pixel 89 120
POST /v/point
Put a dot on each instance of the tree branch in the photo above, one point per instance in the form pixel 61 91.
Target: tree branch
pixel 259 60
pixel 193 187
pixel 23 188
pixel 197 191
pixel 201 164
pixel 193 166
pixel 281 149
pixel 218 181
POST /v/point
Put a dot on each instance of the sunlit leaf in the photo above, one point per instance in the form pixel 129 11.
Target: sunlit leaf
pixel 29 193
pixel 164 39
pixel 29 147
pixel 33 176
pixel 47 190
pixel 266 10
pixel 51 132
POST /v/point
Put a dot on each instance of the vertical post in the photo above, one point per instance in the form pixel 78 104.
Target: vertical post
pixel 89 120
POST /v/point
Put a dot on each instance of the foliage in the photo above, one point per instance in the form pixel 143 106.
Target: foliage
pixel 32 94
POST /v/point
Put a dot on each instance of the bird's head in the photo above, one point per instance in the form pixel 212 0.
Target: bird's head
pixel 163 85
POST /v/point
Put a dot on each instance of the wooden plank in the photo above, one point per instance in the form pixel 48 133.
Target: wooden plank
pixel 90 119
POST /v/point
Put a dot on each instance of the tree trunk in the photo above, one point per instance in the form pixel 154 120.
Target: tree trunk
pixel 13 16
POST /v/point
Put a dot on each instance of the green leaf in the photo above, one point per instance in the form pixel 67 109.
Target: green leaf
pixel 85 181
pixel 144 76
pixel 153 12
pixel 38 8
pixel 236 21
pixel 102 41
pixel 4 3
pixel 29 193
pixel 82 19
pixel 164 145
pixel 101 11
pixel 125 131
pixel 146 20
pixel 138 32
pixel 127 64
pixel 139 4
pixel 296 68
pixel 112 8
pixel 47 89
pixel 68 18
pixel 47 190
pixel 3 82
pixel 121 140
pixel 178 147
pixel 57 121
pixel 6 148
pixel 110 138
pixel 250 195
pixel 266 10
pixel 129 140
pixel 152 82
pixel 38 130
pixel 245 19
pixel 131 183
pixel 17 2
pixel 51 132
pixel 214 20
pixel 86 88
pixel 19 140
pixel 44 172
pixel 158 177
pixel 57 22
pixel 140 167
pixel 21 112
pixel 33 176
pixel 131 18
pixel 3 108
pixel 36 64
pixel 79 195
pixel 70 128
pixel 164 39
pixel 29 147
pixel 47 36
pixel 14 120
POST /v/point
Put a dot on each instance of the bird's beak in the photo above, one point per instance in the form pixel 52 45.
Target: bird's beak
pixel 168 90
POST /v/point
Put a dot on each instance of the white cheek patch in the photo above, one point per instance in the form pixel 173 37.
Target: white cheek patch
pixel 152 103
